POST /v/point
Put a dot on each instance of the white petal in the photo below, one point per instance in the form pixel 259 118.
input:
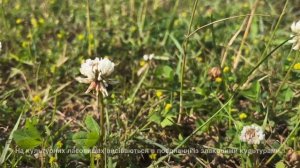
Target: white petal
pixel 296 47
pixel 146 57
pixel 297 27
pixel 293 26
pixel 151 56
pixel 83 80
pixel 103 90
pixel 106 67
pixel 86 69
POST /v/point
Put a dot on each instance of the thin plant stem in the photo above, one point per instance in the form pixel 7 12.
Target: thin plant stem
pixel 284 79
pixel 100 111
pixel 100 108
pixel 237 59
pixel 54 110
pixel 184 63
pixel 222 20
pixel 88 26
pixel 287 74
pixel 92 161
pixel 8 142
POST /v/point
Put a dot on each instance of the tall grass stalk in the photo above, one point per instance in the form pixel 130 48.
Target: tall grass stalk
pixel 184 57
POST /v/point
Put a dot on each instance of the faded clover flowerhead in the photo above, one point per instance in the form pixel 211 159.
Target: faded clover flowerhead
pixel 96 72
pixel 253 134
pixel 295 27
pixel 149 57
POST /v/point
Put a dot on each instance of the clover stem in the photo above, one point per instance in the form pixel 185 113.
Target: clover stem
pixel 100 110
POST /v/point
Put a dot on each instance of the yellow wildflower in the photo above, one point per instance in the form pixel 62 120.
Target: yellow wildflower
pixel 142 63
pixel 226 69
pixel 199 59
pixel 25 44
pixel 29 36
pixel 297 66
pixel 132 29
pixel 52 1
pixel 98 156
pixel 52 160
pixel 41 20
pixel 36 99
pixel 17 7
pixel 33 22
pixel 18 21
pixel 218 80
pixel 177 22
pixel 153 156
pixel 91 36
pixel 168 107
pixel 113 96
pixel 243 116
pixel 59 144
pixel 80 37
pixel 159 93
pixel 59 35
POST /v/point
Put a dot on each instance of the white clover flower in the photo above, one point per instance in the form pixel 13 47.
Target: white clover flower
pixel 96 72
pixel 148 57
pixel 252 134
pixel 295 27
pixel 106 67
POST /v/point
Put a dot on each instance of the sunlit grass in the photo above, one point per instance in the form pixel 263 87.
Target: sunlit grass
pixel 187 75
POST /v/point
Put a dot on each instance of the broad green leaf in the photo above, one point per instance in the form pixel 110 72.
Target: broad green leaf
pixel 165 72
pixel 286 94
pixel 92 125
pixel 111 164
pixel 280 165
pixel 85 139
pixel 33 121
pixel 27 138
pixel 253 92
pixel 30 127
pixel 92 139
pixel 155 117
pixel 80 138
pixel 168 121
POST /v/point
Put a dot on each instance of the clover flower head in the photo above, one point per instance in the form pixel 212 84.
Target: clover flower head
pixel 253 134
pixel 95 72
pixel 214 72
pixel 148 57
pixel 295 27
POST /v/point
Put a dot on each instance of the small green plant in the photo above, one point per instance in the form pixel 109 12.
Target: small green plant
pixel 96 72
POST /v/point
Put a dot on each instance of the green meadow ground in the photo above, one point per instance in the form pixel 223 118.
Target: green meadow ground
pixel 203 85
